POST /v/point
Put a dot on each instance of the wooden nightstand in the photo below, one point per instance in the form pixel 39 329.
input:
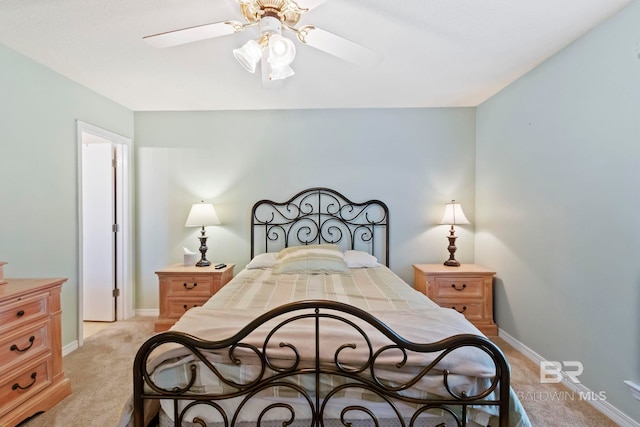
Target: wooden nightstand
pixel 467 289
pixel 183 287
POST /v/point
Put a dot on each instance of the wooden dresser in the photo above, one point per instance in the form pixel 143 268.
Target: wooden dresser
pixel 184 287
pixel 31 375
pixel 467 289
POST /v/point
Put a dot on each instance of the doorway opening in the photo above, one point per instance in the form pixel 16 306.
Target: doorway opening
pixel 105 290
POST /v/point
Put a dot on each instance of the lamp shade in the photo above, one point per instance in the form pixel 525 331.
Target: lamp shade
pixel 453 214
pixel 279 73
pixel 249 55
pixel 201 215
pixel 281 51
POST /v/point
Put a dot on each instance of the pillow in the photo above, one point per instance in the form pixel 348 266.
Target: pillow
pixel 265 260
pixel 311 259
pixel 359 259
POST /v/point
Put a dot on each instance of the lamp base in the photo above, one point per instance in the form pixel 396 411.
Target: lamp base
pixel 451 262
pixel 204 262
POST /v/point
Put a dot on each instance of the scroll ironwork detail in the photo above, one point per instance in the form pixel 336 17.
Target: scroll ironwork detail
pixel 319 376
pixel 320 215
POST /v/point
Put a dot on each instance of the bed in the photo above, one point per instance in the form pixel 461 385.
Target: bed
pixel 318 331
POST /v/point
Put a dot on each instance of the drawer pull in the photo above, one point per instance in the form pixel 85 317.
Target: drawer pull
pixel 464 308
pixel 464 286
pixel 187 308
pixel 22 350
pixel 20 313
pixel 18 386
pixel 186 286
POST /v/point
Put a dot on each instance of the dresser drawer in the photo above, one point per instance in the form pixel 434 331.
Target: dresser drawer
pixel 472 309
pixel 459 287
pixel 18 347
pixel 24 383
pixel 190 286
pixel 18 311
pixel 177 307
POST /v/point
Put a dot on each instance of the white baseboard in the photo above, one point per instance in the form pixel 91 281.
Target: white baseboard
pixel 69 348
pixel 147 312
pixel 603 406
pixel 635 389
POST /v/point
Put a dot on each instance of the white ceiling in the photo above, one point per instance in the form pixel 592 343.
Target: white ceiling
pixel 437 53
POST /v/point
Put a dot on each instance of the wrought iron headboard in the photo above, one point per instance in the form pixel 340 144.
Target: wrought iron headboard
pixel 321 215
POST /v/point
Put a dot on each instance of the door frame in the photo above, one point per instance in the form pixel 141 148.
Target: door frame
pixel 124 301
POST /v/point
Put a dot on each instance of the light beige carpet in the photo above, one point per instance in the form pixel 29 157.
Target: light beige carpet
pixel 101 378
pixel 548 405
pixel 100 374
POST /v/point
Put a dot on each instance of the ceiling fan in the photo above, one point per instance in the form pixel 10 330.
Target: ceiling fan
pixel 274 52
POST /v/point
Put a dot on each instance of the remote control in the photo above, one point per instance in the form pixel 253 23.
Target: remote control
pixel 219 266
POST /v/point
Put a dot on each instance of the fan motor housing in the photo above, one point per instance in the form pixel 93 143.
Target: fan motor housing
pixel 287 12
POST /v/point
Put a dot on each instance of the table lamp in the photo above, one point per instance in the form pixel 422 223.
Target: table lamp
pixel 202 215
pixel 453 215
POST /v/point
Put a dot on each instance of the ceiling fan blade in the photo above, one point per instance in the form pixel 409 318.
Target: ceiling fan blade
pixel 338 46
pixel 193 34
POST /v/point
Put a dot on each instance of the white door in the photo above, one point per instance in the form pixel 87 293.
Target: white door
pixel 98 237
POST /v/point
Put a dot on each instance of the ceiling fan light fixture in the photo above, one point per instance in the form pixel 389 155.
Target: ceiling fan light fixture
pixel 274 52
pixel 249 55
pixel 282 51
pixel 280 72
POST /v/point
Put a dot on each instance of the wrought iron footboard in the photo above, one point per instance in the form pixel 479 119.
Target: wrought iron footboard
pixel 311 377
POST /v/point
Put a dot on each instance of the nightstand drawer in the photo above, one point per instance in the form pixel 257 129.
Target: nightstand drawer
pixel 177 307
pixel 472 310
pixel 467 288
pixel 19 311
pixel 459 287
pixel 190 286
pixel 183 287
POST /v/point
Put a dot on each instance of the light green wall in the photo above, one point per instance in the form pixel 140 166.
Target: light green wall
pixel 38 172
pixel 415 160
pixel 557 206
